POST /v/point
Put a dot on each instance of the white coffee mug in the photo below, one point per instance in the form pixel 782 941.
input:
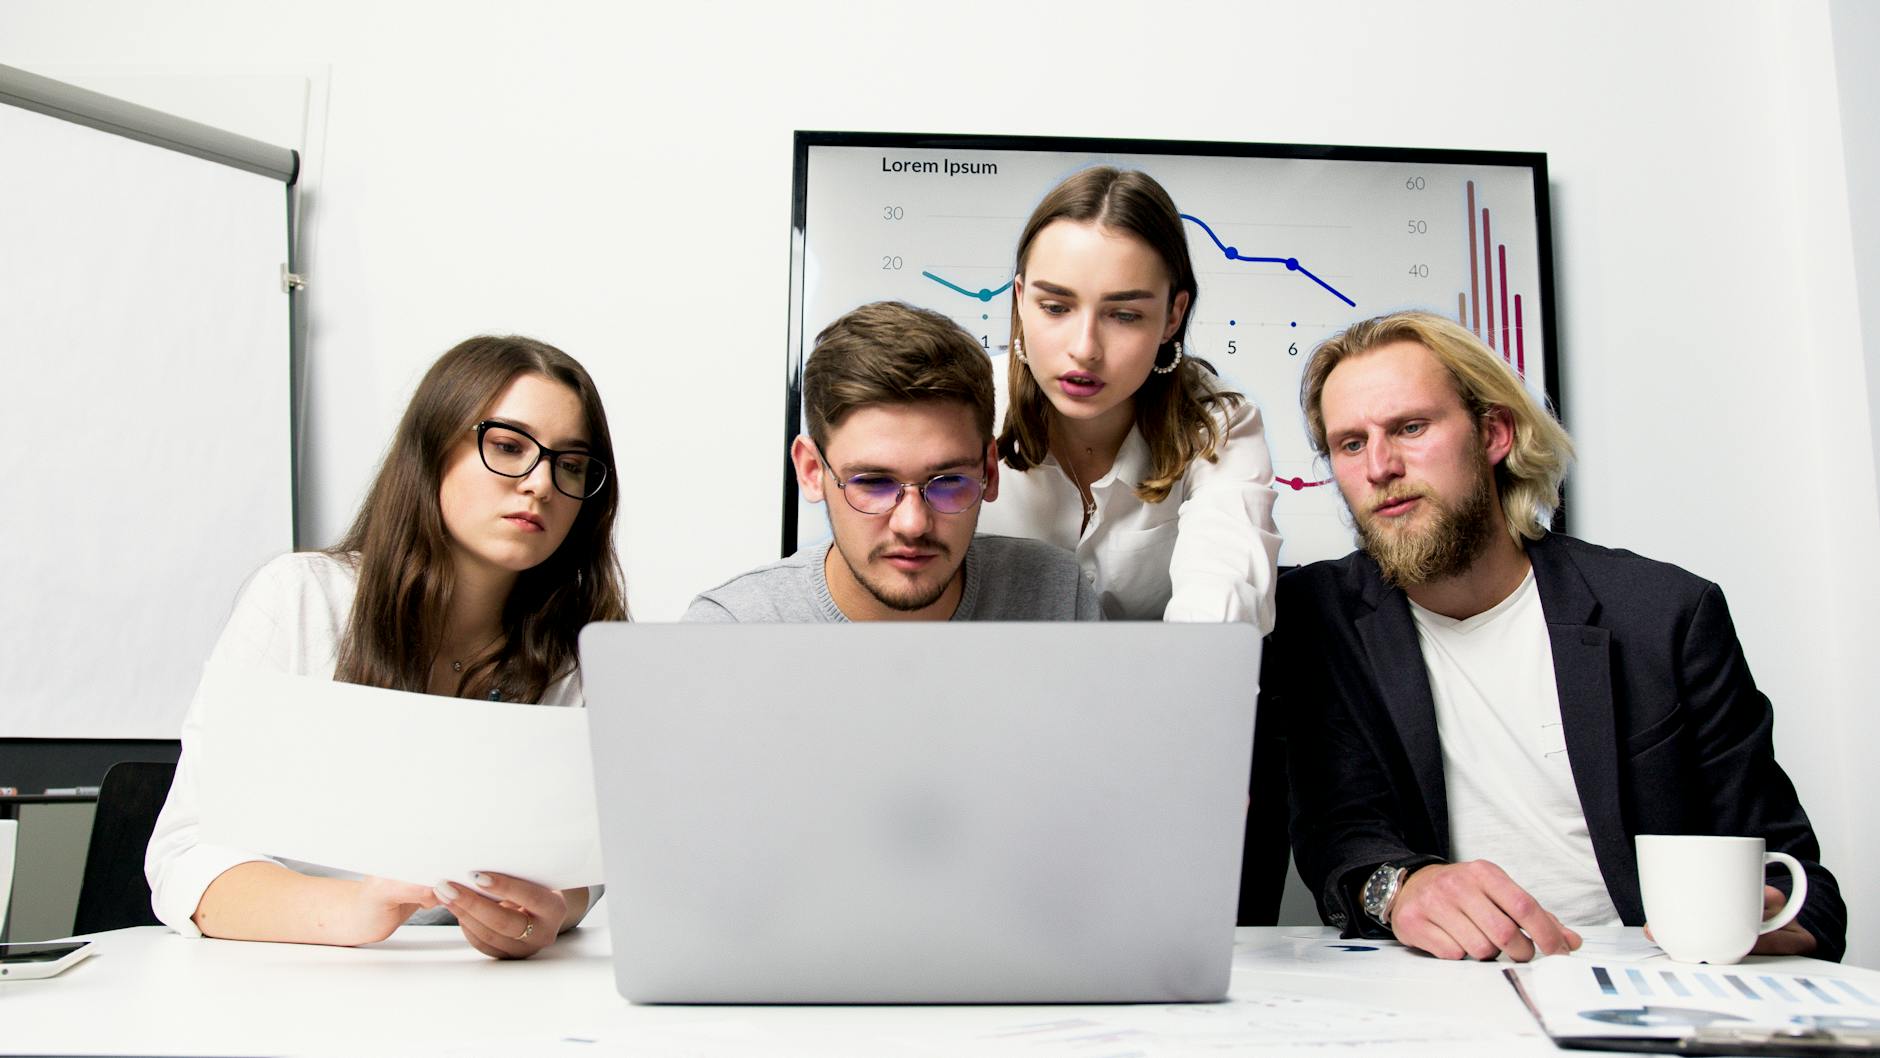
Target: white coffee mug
pixel 9 833
pixel 1704 894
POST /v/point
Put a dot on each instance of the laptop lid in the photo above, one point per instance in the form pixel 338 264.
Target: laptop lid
pixel 921 813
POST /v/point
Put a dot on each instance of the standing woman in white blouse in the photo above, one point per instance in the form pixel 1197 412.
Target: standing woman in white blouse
pixel 1127 451
pixel 483 548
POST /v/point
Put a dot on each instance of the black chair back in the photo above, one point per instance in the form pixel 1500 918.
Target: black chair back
pixel 114 893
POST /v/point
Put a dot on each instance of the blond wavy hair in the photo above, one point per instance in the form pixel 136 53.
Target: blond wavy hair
pixel 1528 480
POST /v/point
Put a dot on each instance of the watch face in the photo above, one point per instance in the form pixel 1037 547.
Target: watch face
pixel 1377 891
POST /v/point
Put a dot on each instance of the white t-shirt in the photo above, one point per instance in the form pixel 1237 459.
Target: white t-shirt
pixel 1207 552
pixel 290 616
pixel 1510 785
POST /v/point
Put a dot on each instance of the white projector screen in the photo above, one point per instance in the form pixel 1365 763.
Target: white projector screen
pixel 144 339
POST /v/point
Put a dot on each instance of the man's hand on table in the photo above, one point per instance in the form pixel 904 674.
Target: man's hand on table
pixel 1474 910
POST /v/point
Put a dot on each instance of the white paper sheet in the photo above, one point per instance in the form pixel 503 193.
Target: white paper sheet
pixel 408 786
pixel 1317 954
pixel 1267 1022
pixel 1270 1023
pixel 1616 946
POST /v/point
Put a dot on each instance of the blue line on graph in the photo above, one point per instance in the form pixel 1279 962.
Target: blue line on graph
pixel 1776 986
pixel 1233 253
pixel 982 293
pixel 1815 990
pixel 1852 991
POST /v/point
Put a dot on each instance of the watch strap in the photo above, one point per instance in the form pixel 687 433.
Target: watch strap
pixel 1344 899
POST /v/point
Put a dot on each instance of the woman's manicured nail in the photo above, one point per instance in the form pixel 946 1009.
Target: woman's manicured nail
pixel 445 891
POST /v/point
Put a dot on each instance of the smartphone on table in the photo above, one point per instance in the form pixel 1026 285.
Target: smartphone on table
pixel 22 962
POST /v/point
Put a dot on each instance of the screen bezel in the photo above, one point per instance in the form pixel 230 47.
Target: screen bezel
pixel 38 953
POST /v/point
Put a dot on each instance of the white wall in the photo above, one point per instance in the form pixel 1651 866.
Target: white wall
pixel 618 183
pixel 1856 33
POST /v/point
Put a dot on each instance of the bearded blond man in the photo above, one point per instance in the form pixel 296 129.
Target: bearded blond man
pixel 1481 713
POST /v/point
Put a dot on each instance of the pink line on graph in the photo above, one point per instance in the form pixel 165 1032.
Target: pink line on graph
pixel 1520 341
pixel 1300 484
pixel 1475 282
pixel 1504 300
pixel 1488 279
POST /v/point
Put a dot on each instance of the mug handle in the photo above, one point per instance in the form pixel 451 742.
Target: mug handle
pixel 1796 896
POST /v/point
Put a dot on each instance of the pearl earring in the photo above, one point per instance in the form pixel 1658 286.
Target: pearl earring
pixel 1172 364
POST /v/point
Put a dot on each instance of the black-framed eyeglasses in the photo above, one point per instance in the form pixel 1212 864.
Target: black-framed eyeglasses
pixel 881 493
pixel 510 451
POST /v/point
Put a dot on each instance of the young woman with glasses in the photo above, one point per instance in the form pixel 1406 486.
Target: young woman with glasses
pixel 1126 449
pixel 484 546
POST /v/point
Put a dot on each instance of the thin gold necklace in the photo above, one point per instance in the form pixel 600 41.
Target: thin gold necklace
pixel 1085 493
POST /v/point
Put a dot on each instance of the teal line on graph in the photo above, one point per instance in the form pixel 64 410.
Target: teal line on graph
pixel 1292 264
pixel 982 293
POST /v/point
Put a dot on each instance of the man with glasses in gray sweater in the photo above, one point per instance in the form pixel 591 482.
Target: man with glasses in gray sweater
pixel 899 404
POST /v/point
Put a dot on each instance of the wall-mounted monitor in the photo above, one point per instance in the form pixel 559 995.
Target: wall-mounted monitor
pixel 1290 242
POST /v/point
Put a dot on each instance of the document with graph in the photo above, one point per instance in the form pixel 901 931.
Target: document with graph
pixel 1737 1009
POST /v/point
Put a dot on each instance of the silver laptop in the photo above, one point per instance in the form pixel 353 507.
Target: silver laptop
pixel 921 813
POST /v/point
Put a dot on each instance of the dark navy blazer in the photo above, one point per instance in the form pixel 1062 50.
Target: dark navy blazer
pixel 1666 732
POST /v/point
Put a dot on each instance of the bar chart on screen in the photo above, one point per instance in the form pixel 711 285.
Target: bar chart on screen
pixel 1488 276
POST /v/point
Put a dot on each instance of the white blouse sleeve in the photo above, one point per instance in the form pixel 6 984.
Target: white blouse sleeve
pixel 1227 548
pixel 287 617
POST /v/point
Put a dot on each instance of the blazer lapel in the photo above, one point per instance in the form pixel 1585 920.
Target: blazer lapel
pixel 1583 678
pixel 1390 641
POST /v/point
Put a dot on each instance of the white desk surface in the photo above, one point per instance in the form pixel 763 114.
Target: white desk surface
pixel 425 992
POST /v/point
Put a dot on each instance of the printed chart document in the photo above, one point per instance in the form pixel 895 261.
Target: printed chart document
pixel 1740 1009
pixel 414 787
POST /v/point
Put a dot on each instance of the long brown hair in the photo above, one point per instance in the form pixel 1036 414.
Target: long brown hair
pixel 1174 411
pixel 403 553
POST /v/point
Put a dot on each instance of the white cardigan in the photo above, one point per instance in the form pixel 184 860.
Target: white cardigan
pixel 290 616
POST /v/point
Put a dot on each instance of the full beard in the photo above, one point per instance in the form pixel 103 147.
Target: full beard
pixel 1444 547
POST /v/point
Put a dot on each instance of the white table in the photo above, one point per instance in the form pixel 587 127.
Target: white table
pixel 151 992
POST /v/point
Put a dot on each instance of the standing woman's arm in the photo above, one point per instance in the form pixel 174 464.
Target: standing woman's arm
pixel 1227 547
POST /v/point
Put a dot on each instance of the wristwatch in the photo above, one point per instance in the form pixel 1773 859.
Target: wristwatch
pixel 1380 891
